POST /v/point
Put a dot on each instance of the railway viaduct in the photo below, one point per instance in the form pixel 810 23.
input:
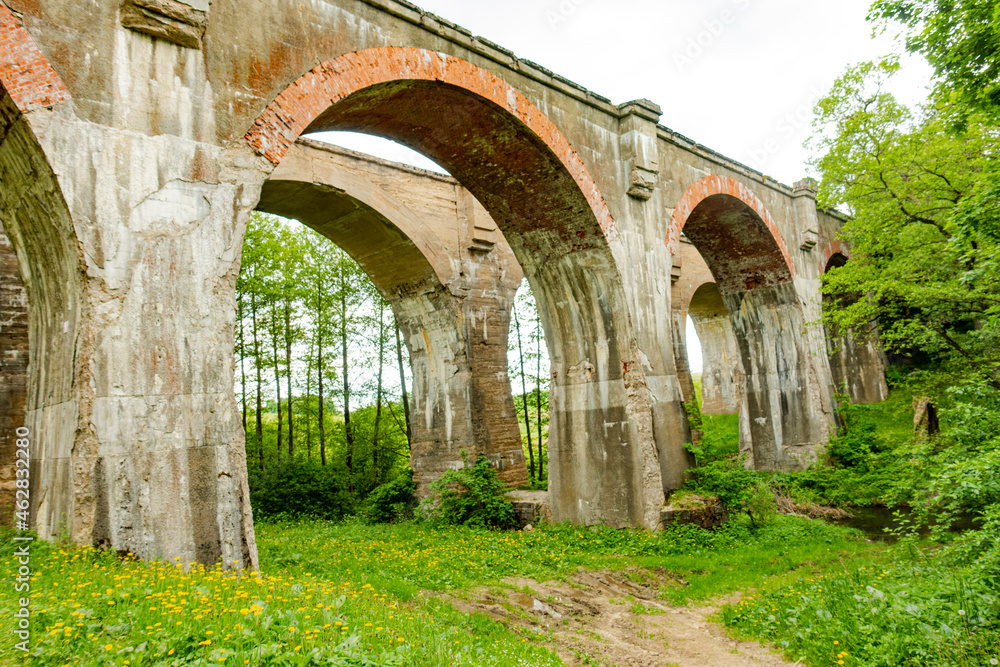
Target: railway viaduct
pixel 137 137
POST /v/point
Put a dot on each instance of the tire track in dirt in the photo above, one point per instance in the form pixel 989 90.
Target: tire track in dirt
pixel 615 618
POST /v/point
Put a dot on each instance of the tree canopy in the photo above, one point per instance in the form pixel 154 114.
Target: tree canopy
pixel 921 190
pixel 959 38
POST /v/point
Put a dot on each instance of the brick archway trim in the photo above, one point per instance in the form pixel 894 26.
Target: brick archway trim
pixel 722 185
pixel 25 73
pixel 284 119
pixel 835 247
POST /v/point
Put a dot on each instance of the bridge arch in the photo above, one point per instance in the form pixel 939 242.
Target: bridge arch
pixel 461 398
pixel 780 421
pixel 534 185
pixel 835 253
pixel 734 232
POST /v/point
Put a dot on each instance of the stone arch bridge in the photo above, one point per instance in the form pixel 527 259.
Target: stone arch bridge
pixel 137 136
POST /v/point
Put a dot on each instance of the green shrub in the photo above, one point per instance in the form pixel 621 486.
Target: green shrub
pixel 738 488
pixel 302 489
pixel 470 496
pixel 392 501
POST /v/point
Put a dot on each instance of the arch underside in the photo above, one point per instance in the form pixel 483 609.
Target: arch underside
pixel 525 174
pixel 738 247
pixel 40 228
pixel 461 398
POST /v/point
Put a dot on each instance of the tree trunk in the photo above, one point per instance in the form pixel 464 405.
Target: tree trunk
pixel 538 399
pixel 524 395
pixel 243 370
pixel 288 367
pixel 257 365
pixel 277 377
pixel 308 410
pixel 319 372
pixel 402 384
pixel 348 435
pixel 378 391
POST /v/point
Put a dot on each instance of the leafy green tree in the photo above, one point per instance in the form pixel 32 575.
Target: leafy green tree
pixel 960 39
pixel 917 185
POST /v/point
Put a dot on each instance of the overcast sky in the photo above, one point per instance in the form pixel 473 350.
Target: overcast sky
pixel 740 76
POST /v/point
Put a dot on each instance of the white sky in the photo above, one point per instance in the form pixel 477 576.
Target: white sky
pixel 740 76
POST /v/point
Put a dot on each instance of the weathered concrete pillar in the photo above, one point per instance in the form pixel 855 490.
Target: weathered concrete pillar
pixel 647 268
pixel 159 465
pixel 720 354
pixel 856 361
pixel 858 366
pixel 128 242
pixel 780 426
pixel 603 464
pixel 490 279
pixel 440 400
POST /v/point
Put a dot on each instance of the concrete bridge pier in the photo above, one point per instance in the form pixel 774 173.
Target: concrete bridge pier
pixel 461 403
pixel 721 368
pixel 129 268
pixel 783 421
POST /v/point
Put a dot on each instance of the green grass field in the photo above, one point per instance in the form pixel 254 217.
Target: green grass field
pixel 348 593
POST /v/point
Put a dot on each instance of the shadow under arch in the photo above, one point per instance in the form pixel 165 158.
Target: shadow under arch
pixel 535 186
pixel 461 397
pixel 781 421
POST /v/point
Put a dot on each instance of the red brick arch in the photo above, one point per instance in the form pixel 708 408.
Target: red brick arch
pixel 25 72
pixel 301 103
pixel 722 185
pixel 736 234
pixel 835 247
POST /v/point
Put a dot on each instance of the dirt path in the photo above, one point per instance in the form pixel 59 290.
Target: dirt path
pixel 616 618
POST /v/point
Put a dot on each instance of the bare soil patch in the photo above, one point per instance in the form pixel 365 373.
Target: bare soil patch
pixel 616 618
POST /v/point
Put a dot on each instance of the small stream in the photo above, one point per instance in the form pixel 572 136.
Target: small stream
pixel 873 521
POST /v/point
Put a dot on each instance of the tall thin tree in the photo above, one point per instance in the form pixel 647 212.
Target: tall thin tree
pixel 538 393
pixel 378 388
pixel 348 431
pixel 524 393
pixel 402 384
pixel 288 368
pixel 275 328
